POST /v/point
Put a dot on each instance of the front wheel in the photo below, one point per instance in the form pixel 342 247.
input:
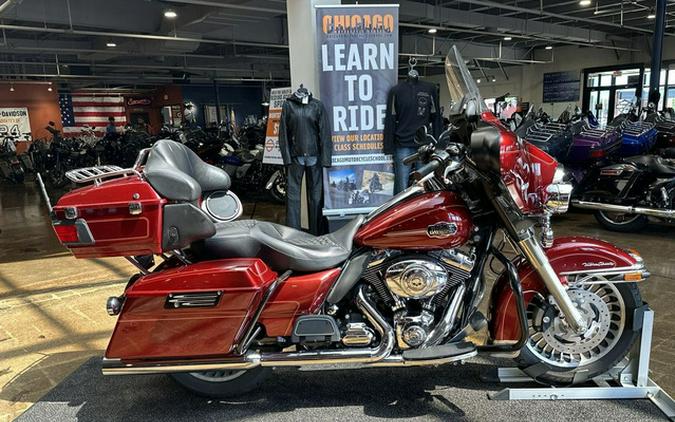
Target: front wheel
pixel 621 222
pixel 222 384
pixel 556 355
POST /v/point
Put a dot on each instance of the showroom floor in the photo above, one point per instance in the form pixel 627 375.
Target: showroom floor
pixel 52 307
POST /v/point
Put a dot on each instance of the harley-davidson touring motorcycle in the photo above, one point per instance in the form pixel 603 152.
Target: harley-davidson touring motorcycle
pixel 400 287
pixel 626 195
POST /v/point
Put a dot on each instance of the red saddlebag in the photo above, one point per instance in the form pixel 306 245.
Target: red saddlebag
pixel 197 310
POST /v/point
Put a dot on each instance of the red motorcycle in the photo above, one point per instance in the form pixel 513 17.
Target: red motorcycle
pixel 399 287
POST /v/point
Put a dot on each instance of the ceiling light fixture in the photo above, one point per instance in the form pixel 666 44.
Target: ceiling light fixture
pixel 11 87
pixel 265 103
pixel 110 44
pixel 432 30
pixel 507 38
pixel 549 47
pixel 652 14
pixel 585 3
pixel 50 89
pixel 494 79
pixel 170 14
pixel 478 80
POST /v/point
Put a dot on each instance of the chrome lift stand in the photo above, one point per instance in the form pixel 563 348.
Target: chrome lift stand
pixel 630 379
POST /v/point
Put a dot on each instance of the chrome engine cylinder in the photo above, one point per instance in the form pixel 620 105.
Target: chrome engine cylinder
pixel 416 278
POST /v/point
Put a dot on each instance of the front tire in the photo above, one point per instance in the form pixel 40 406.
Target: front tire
pixel 624 223
pixel 222 384
pixel 553 356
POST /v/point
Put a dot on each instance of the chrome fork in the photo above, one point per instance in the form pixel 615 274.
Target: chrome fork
pixel 536 256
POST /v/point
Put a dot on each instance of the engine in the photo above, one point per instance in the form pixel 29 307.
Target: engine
pixel 418 288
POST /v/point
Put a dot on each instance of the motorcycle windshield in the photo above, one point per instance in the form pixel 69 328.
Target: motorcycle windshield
pixel 463 90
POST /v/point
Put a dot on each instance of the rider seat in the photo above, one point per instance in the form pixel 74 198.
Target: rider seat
pixel 282 248
pixel 178 174
pixel 655 164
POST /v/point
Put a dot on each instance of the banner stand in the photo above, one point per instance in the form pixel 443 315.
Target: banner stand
pixel 357 48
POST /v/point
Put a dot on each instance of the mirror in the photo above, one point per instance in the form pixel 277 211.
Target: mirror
pixel 421 135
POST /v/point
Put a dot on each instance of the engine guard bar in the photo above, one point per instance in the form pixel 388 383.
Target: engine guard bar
pixel 516 287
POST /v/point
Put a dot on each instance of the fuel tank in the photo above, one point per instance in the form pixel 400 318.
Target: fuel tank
pixel 432 220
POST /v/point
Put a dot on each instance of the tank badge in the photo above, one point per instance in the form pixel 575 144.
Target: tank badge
pixel 441 230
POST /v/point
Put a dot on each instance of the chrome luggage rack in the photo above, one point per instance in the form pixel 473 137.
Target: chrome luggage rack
pixel 98 173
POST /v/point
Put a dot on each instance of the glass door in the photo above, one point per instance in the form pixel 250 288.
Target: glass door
pixel 599 104
pixel 609 92
pixel 623 100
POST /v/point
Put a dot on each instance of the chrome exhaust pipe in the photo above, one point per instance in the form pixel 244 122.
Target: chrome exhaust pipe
pixel 352 356
pixel 652 212
pixel 251 359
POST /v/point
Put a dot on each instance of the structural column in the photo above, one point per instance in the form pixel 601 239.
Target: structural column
pixel 657 50
pixel 304 56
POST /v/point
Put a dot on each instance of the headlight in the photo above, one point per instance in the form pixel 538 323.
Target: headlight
pixel 560 175
pixel 559 192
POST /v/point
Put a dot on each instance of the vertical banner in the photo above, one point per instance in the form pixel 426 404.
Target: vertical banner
pixel 272 154
pixel 358 53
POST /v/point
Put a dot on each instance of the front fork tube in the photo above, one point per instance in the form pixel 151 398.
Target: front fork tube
pixel 537 258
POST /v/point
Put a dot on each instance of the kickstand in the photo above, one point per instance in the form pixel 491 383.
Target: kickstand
pixel 628 380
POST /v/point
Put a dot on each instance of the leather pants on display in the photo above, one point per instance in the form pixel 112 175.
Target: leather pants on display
pixel 294 173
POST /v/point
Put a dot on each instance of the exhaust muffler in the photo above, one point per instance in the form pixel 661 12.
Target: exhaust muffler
pixel 252 359
pixel 652 212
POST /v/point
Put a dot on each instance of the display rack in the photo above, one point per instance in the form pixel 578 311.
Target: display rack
pixel 628 380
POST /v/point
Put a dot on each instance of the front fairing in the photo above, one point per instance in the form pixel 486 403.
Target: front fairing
pixel 525 169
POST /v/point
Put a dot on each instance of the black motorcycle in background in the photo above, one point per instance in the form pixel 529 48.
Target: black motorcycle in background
pixel 625 195
pixel 11 168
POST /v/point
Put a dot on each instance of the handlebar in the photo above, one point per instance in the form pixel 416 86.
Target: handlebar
pixel 426 169
pixel 411 158
pixel 437 159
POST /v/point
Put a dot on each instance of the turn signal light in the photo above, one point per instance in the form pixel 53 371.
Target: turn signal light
pixel 67 233
pixel 637 276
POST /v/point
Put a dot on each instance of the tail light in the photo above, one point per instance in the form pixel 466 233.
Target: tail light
pixel 73 233
pixel 597 153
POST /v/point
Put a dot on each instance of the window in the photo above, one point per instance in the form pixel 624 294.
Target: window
pixel 662 88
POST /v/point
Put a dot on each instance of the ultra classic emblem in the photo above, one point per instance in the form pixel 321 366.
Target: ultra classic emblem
pixel 441 230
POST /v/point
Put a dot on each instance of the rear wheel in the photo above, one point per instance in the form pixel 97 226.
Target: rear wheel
pixel 222 384
pixel 278 189
pixel 621 222
pixel 554 354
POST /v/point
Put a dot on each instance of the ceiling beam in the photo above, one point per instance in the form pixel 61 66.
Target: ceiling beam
pixel 411 11
pixel 230 6
pixel 131 35
pixel 496 5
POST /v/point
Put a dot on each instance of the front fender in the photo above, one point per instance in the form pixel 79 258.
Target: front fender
pixel 566 255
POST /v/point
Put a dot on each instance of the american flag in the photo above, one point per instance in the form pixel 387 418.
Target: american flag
pixel 80 109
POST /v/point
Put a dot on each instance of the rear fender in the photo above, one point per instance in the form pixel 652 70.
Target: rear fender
pixel 568 254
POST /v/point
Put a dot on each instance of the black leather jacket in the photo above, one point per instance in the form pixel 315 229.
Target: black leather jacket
pixel 304 131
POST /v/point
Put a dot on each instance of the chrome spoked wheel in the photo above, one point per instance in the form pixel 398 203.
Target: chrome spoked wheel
pixel 553 342
pixel 217 376
pixel 619 218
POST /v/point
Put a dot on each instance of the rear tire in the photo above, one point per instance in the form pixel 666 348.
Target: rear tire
pixel 629 223
pixel 278 190
pixel 539 358
pixel 222 384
